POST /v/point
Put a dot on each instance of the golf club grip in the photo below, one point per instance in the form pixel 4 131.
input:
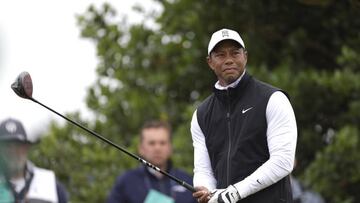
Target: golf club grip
pixel 180 182
pixel 188 186
pixel 183 183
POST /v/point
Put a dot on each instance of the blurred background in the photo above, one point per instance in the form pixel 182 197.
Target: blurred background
pixel 113 65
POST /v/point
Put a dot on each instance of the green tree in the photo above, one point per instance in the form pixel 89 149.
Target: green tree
pixel 310 48
pixel 335 172
pixel 85 164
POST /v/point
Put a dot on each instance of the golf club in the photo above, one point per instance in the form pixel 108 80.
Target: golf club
pixel 23 87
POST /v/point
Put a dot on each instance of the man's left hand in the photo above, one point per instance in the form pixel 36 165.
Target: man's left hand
pixel 229 195
pixel 202 194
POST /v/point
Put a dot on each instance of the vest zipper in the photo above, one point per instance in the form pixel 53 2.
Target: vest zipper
pixel 229 137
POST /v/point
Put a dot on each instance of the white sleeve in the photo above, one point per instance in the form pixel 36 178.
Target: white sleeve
pixel 281 138
pixel 203 173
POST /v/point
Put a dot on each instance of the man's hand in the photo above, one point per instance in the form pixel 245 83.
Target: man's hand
pixel 229 195
pixel 202 194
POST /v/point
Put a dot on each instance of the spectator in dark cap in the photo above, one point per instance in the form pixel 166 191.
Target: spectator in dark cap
pixel 20 180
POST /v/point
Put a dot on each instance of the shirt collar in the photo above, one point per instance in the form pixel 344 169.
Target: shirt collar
pixel 232 85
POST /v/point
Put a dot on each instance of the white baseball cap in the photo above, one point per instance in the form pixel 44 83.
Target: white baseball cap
pixel 224 34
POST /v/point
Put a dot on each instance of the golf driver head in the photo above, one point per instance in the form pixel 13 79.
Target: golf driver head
pixel 23 86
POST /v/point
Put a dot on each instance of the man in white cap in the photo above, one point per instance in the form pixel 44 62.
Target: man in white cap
pixel 20 180
pixel 244 134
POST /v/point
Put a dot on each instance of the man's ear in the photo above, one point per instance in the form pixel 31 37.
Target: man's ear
pixel 245 55
pixel 209 62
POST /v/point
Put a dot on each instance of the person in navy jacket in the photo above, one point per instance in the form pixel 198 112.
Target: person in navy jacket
pixel 145 185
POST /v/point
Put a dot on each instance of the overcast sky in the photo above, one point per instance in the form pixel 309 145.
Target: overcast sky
pixel 41 37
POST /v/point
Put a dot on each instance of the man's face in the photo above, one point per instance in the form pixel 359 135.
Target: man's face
pixel 155 146
pixel 14 156
pixel 228 61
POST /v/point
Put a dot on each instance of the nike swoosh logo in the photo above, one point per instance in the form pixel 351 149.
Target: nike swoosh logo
pixel 257 180
pixel 245 110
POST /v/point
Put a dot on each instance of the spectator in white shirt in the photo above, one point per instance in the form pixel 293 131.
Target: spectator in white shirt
pixel 20 180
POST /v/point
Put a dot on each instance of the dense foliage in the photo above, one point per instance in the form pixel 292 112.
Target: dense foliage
pixel 310 48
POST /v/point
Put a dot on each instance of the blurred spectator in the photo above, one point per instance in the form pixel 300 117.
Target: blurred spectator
pixel 20 180
pixel 303 194
pixel 145 185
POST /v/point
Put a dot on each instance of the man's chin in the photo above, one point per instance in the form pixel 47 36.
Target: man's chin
pixel 231 79
pixel 157 163
pixel 14 170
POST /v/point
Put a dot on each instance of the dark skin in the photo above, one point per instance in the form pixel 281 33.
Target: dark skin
pixel 228 60
pixel 202 194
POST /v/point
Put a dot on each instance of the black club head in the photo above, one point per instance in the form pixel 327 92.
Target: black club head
pixel 23 86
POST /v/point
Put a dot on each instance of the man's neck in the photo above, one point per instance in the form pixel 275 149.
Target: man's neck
pixel 17 175
pixel 163 167
pixel 156 173
pixel 220 86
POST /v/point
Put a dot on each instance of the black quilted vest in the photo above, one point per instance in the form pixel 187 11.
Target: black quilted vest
pixel 234 125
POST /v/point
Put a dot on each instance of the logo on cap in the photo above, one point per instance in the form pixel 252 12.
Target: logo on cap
pixel 225 33
pixel 11 127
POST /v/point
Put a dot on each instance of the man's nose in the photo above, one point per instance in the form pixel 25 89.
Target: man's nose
pixel 157 146
pixel 229 60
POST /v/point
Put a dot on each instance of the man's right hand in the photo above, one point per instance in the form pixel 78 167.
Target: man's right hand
pixel 202 194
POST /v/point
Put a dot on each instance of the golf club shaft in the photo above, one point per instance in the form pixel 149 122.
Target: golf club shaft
pixel 181 182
